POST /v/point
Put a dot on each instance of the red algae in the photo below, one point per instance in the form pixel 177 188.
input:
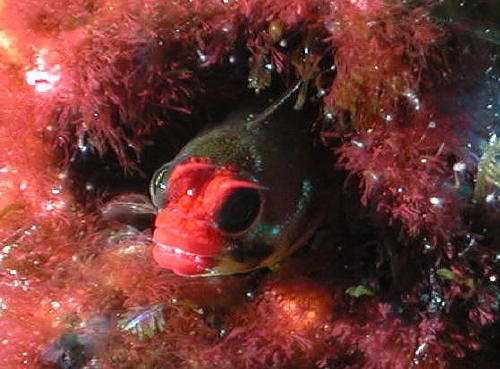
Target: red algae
pixel 406 105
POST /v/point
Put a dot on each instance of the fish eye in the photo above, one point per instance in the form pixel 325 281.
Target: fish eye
pixel 158 186
pixel 239 210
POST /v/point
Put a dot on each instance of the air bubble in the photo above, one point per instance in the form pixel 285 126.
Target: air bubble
pixel 358 143
pixel 459 167
pixel 203 57
pixel 436 201
pixel 55 305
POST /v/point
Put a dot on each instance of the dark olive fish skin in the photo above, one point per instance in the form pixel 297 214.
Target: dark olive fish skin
pixel 278 156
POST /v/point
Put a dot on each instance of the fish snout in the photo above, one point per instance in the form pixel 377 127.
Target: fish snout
pixel 186 245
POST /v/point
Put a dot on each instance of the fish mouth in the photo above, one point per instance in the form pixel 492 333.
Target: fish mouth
pixel 183 262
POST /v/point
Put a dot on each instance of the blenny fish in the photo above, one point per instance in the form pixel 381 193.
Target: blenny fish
pixel 240 196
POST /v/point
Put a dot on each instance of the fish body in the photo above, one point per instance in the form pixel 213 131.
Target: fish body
pixel 237 197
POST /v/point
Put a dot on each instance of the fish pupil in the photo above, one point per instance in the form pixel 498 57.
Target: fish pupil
pixel 239 210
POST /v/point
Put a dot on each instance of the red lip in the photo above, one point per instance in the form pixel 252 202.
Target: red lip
pixel 185 245
pixel 181 262
pixel 200 241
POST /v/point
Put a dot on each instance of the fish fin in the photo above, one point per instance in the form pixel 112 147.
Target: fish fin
pixel 261 118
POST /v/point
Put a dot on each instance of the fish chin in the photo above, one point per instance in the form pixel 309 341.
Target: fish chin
pixel 227 266
pixel 188 264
